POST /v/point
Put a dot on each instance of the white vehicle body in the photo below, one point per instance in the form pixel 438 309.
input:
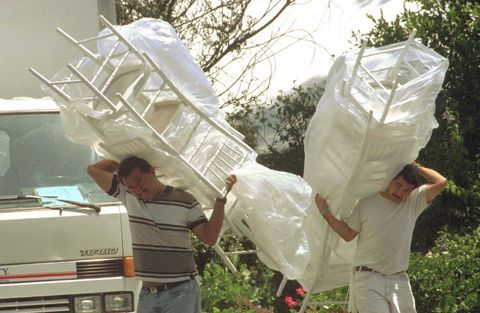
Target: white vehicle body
pixel 56 256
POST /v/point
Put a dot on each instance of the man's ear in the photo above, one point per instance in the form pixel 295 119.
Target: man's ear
pixel 152 171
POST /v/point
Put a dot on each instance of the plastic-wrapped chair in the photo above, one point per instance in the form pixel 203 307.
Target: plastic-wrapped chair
pixel 376 114
pixel 131 105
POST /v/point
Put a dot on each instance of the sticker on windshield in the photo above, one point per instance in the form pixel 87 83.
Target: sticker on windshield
pixel 4 152
pixel 61 192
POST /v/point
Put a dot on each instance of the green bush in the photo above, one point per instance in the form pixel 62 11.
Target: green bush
pixel 223 291
pixel 447 278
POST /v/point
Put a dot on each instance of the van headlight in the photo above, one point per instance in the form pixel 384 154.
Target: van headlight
pixel 109 303
pixel 88 304
pixel 119 302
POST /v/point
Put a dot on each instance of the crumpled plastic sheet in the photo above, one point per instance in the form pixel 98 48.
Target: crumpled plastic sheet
pixel 271 204
pixel 336 165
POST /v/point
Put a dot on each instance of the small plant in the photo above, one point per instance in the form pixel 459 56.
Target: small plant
pixel 223 291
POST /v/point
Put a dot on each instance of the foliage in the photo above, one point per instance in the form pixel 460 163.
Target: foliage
pixel 251 289
pixel 250 272
pixel 223 291
pixel 452 28
pixel 447 278
pixel 287 121
pixel 220 33
pixel 279 129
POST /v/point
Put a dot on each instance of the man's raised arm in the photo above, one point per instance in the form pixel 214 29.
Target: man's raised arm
pixel 208 232
pixel 102 173
pixel 435 182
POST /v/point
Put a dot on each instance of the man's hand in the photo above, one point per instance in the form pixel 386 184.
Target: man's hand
pixel 229 182
pixel 338 226
pixel 321 203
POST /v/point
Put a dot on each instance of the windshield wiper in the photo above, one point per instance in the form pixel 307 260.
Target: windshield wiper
pixel 77 203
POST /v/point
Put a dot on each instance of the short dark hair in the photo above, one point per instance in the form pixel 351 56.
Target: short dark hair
pixel 411 175
pixel 127 165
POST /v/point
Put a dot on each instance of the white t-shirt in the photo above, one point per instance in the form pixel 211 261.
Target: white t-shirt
pixel 385 230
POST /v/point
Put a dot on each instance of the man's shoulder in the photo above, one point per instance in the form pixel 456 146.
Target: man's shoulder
pixel 177 194
pixel 419 189
pixel 417 195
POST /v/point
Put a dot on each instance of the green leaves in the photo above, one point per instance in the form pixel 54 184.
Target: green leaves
pixel 279 128
pixel 447 279
pixel 223 291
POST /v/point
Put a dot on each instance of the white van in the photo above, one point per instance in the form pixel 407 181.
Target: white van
pixel 57 256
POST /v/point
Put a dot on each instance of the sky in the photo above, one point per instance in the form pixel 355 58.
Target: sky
pixel 330 24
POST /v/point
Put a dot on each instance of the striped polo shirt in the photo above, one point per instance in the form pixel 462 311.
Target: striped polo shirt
pixel 161 232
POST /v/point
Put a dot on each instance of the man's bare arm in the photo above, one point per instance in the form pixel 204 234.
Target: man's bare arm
pixel 435 182
pixel 208 232
pixel 102 173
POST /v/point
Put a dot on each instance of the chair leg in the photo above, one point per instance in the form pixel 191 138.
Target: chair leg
pixel 225 258
pixel 305 302
pixel 282 285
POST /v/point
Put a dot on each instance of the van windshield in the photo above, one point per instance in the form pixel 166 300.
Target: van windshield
pixel 37 159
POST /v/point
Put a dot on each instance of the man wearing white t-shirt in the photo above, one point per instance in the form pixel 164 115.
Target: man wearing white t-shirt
pixel 384 225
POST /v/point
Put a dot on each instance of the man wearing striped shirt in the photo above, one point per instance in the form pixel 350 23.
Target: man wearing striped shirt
pixel 161 219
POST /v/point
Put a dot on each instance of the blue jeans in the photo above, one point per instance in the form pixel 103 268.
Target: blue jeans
pixel 184 298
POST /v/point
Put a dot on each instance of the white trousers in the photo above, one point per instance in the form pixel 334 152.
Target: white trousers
pixel 376 293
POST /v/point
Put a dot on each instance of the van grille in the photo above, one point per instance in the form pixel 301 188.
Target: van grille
pixel 35 305
pixel 99 268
